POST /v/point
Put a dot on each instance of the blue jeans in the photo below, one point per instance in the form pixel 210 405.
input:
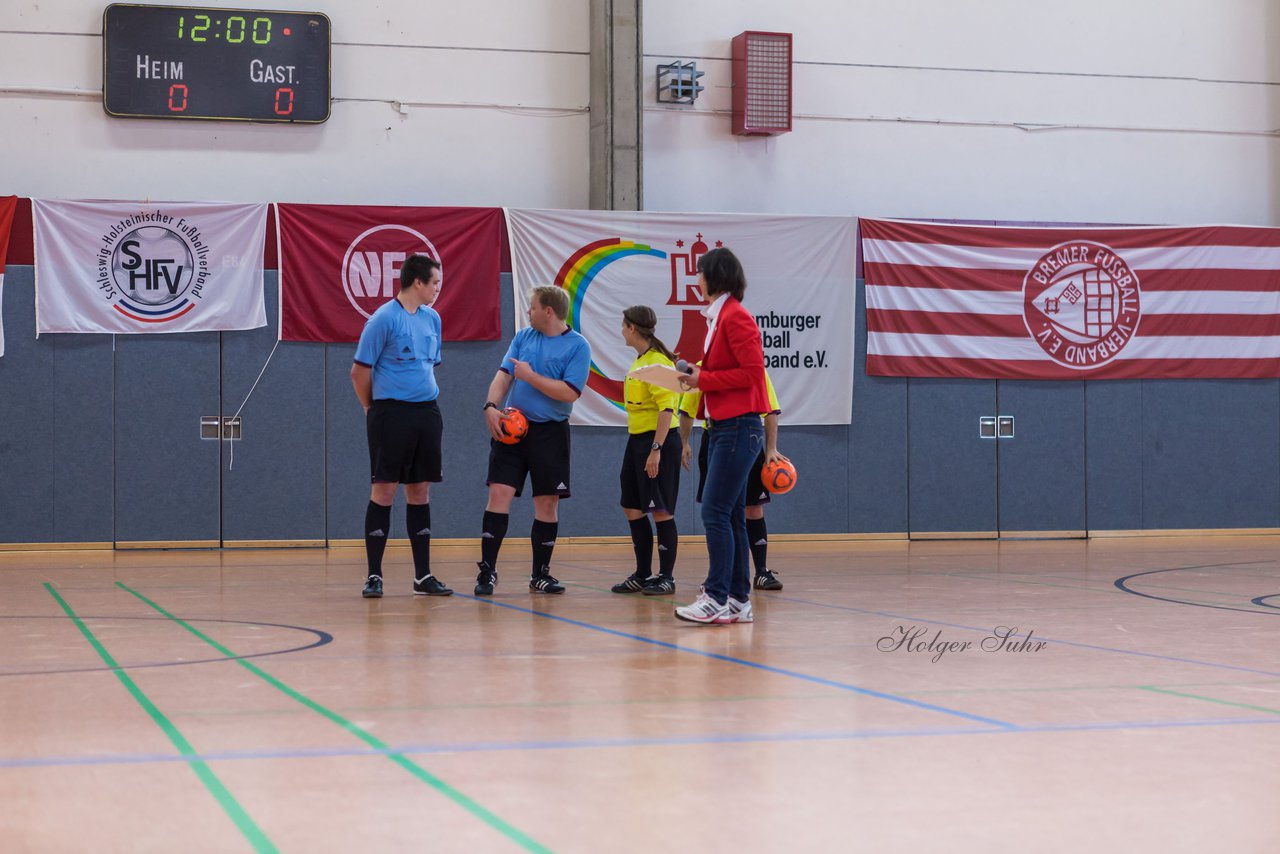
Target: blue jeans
pixel 734 445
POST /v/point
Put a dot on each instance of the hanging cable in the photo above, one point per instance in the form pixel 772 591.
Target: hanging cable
pixel 232 462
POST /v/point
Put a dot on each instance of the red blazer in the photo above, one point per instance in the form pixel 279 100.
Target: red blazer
pixel 732 379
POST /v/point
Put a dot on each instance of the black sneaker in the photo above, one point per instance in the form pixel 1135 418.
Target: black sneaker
pixel 544 582
pixel 766 580
pixel 633 583
pixel 429 585
pixel 485 580
pixel 660 585
pixel 372 588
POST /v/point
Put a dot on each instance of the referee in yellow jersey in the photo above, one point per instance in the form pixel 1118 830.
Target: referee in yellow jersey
pixel 650 476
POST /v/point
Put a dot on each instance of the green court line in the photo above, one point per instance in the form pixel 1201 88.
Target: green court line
pixel 1215 700
pixel 514 834
pixel 221 794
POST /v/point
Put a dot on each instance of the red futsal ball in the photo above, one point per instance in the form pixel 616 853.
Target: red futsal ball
pixel 778 477
pixel 513 426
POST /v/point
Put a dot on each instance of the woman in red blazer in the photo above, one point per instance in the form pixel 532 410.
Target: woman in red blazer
pixel 733 398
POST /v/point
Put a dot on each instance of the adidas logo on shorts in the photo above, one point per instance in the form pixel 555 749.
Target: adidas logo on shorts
pixel 562 486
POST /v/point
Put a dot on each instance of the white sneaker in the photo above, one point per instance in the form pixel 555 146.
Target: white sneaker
pixel 737 612
pixel 704 610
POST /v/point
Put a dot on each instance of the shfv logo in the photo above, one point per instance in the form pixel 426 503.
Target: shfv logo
pixel 371 266
pixel 153 273
pixel 152 265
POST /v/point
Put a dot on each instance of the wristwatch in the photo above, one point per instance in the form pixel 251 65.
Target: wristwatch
pixel 655 447
pixel 488 404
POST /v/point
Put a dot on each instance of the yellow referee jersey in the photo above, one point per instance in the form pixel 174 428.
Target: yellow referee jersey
pixel 644 401
pixel 689 400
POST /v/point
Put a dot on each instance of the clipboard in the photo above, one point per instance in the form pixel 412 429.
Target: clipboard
pixel 663 376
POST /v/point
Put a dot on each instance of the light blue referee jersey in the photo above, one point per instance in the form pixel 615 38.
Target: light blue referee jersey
pixel 403 350
pixel 560 357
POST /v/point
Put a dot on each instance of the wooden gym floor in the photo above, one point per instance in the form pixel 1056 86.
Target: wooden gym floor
pixel 241 701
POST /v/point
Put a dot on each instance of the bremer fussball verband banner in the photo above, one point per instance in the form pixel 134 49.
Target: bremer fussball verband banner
pixel 7 206
pixel 800 288
pixel 125 267
pixel 339 263
pixel 991 302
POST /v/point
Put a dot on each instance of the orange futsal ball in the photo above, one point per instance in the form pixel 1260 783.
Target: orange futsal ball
pixel 778 477
pixel 513 425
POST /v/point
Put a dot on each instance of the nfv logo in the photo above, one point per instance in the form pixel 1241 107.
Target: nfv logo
pixel 371 266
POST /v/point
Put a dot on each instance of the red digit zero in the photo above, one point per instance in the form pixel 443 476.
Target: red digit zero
pixel 177 91
pixel 285 108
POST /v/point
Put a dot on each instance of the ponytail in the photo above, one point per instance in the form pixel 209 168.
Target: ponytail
pixel 645 321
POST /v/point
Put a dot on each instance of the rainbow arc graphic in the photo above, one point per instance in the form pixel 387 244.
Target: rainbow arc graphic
pixel 576 277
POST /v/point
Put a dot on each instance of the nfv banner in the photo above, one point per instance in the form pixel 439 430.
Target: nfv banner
pixel 339 263
pixel 126 267
pixel 1071 303
pixel 7 206
pixel 800 288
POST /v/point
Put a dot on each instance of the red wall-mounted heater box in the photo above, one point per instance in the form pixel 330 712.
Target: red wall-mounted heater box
pixel 761 83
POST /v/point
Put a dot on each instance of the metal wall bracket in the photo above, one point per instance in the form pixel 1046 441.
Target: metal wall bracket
pixel 678 83
pixel 995 427
pixel 221 427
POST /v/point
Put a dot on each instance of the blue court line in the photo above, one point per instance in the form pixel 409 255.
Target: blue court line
pixel 988 631
pixel 598 743
pixel 818 680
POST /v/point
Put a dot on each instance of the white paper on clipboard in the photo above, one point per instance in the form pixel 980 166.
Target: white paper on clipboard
pixel 664 376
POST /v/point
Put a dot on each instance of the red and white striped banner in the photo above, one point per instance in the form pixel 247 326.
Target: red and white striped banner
pixel 990 302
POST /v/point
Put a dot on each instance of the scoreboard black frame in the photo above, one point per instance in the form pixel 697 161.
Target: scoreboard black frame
pixel 191 62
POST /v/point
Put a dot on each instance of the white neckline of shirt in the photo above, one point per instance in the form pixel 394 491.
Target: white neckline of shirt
pixel 712 313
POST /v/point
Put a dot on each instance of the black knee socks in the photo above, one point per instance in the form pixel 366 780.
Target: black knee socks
pixel 417 517
pixel 667 542
pixel 494 528
pixel 642 542
pixel 542 536
pixel 377 520
pixel 758 537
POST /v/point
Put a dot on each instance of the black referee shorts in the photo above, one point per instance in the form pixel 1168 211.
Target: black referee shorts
pixel 542 456
pixel 644 493
pixel 404 441
pixel 756 493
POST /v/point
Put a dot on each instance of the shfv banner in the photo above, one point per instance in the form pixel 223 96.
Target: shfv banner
pixel 800 288
pixel 126 267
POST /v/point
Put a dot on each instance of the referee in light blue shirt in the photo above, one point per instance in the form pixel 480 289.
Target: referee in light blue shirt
pixel 543 374
pixel 395 381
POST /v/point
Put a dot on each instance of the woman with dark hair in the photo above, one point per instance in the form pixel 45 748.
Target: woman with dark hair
pixel 650 475
pixel 732 382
